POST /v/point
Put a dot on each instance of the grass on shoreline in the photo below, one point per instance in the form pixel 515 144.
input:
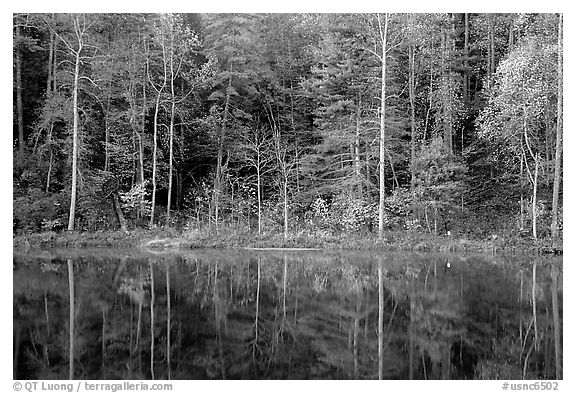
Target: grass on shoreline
pixel 233 238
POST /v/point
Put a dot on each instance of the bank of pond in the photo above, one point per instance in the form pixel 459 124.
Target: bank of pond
pixel 134 313
pixel 169 238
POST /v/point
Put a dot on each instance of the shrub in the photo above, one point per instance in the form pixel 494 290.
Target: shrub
pixel 318 215
pixel 35 210
pixel 132 199
pixel 353 214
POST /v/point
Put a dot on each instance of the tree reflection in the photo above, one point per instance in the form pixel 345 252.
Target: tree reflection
pixel 71 319
pixel 218 315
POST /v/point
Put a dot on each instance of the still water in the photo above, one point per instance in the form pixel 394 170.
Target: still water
pixel 238 314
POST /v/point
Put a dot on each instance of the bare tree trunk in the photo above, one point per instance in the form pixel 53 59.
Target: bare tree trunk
pixel 50 160
pixel 533 178
pixel 411 86
pixel 155 152
pixel 394 178
pixel 451 49
pixel 140 148
pixel 489 56
pixel 51 89
pixel 141 144
pixel 427 118
pixel 383 38
pixel 219 161
pixel 180 177
pixel 294 130
pixel 77 54
pixel 285 206
pixel 367 164
pixel 466 54
pixel 171 148
pixel 232 206
pixel 19 106
pixel 50 62
pixel 446 94
pixel 559 125
pixel 119 214
pixel 71 319
pixel 179 188
pixel 134 172
pixel 259 194
pixel 55 64
pixel 171 165
pixel 107 131
pixel 357 146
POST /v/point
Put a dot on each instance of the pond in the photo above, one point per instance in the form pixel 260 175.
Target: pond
pixel 240 314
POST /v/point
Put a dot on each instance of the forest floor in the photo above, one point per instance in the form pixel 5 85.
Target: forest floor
pixel 233 238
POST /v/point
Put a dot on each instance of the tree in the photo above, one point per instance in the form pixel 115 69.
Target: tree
pixel 180 46
pixel 75 45
pixel 115 108
pixel 50 91
pixel 519 100
pixel 19 110
pixel 232 40
pixel 418 35
pixel 383 37
pixel 411 92
pixel 285 168
pixel 133 82
pixel 53 114
pixel 256 150
pixel 559 123
pixel 334 108
pixel 341 85
pixel 160 36
pixel 439 181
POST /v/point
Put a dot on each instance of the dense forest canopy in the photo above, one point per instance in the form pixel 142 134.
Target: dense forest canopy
pixel 444 123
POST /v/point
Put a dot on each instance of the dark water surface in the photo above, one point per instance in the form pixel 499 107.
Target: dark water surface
pixel 213 314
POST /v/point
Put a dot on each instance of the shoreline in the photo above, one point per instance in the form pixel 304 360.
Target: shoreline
pixel 160 238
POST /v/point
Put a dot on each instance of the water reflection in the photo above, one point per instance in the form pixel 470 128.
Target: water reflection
pixel 110 314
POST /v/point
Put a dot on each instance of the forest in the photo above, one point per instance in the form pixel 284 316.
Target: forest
pixel 289 126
